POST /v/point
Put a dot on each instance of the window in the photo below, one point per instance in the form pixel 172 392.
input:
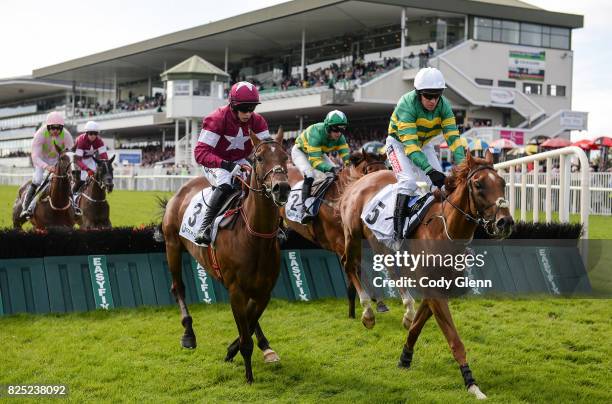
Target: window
pixel 201 87
pixel 487 29
pixel 484 82
pixel 506 83
pixel 532 88
pixel 180 87
pixel 555 90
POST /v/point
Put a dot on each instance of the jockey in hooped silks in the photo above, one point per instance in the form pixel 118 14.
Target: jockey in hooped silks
pixel 419 117
pixel 309 154
pixel 223 146
pixel 44 155
pixel 87 145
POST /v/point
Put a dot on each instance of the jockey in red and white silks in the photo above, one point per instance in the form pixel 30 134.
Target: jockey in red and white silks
pixel 224 144
pixel 87 145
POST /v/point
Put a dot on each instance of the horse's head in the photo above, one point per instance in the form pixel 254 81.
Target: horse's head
pixel 363 162
pixel 104 173
pixel 486 191
pixel 63 163
pixel 270 167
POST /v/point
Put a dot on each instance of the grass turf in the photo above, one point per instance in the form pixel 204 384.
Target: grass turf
pixel 134 208
pixel 548 350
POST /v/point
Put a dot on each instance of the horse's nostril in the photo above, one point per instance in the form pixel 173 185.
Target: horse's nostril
pixel 505 222
pixel 276 188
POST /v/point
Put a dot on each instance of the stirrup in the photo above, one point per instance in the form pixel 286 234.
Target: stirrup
pixel 26 214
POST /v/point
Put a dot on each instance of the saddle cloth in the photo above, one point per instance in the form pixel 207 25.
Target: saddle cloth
pixel 378 213
pixel 194 215
pixel 293 208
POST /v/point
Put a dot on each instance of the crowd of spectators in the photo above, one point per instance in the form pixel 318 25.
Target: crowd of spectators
pixel 343 76
pixel 133 103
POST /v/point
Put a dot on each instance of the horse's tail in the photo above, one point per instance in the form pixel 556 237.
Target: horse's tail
pixel 162 202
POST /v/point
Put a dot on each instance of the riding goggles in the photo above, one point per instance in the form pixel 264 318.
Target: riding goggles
pixel 54 127
pixel 337 128
pixel 431 95
pixel 245 107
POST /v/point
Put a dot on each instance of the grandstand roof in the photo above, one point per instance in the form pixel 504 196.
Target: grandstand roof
pixel 23 88
pixel 277 27
pixel 193 66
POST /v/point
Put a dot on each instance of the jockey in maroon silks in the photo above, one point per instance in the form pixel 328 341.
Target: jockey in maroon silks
pixel 87 145
pixel 224 144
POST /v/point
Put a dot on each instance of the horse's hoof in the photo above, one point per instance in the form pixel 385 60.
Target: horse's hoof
pixel 381 307
pixel 368 319
pixel 403 365
pixel 406 322
pixel 229 358
pixel 188 341
pixel 473 389
pixel 270 356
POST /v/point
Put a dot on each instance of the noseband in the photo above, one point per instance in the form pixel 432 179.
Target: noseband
pixel 277 169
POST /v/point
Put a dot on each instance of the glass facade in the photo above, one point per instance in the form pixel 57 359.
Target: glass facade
pixel 521 33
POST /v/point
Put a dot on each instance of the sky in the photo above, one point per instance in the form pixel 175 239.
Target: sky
pixel 46 33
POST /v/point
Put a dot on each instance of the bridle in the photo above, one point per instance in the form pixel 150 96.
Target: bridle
pixel 277 169
pixel 480 219
pixel 100 183
pixel 53 178
pixel 366 169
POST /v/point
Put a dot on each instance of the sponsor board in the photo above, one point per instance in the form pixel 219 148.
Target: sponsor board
pixel 203 283
pixel 100 282
pixel 299 284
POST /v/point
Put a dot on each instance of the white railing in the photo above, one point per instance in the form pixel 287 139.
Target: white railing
pixel 564 184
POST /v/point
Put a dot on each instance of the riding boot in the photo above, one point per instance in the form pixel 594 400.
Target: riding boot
pixel 76 186
pixel 399 215
pixel 26 209
pixel 217 198
pixel 306 188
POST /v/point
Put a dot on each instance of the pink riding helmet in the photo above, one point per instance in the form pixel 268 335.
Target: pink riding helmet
pixel 244 92
pixel 55 118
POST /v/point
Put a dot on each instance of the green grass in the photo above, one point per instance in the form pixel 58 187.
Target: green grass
pixel 128 208
pixel 549 350
pixel 133 208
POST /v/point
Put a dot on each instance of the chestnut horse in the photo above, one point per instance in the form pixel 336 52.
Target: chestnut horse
pixel 54 206
pixel 92 202
pixel 474 196
pixel 325 229
pixel 246 258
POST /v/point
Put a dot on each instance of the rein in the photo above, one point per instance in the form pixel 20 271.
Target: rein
pixel 480 219
pixel 48 197
pixel 263 189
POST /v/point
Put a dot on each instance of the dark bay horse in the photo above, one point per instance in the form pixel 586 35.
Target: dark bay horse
pixel 92 202
pixel 54 206
pixel 246 258
pixel 325 229
pixel 474 195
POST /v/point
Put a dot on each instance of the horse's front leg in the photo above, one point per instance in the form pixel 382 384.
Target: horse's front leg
pixel 239 303
pixel 351 261
pixel 442 313
pixel 262 342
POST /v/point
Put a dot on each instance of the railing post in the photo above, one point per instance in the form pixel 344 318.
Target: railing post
pixel 536 192
pixel 512 192
pixel 523 192
pixel 548 202
pixel 564 189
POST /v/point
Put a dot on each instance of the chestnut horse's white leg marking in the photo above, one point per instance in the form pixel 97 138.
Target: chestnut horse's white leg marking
pixel 367 317
pixel 270 356
pixel 473 389
pixel 408 302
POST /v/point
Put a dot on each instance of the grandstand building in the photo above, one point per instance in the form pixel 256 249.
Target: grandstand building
pixel 508 67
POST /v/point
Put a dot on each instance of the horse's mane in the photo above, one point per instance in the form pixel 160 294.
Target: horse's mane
pixel 459 174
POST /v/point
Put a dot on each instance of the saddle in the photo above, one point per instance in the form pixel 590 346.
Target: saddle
pixel 417 208
pixel 313 203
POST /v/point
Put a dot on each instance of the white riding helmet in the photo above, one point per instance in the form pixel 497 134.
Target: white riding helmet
pixel 429 78
pixel 92 126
